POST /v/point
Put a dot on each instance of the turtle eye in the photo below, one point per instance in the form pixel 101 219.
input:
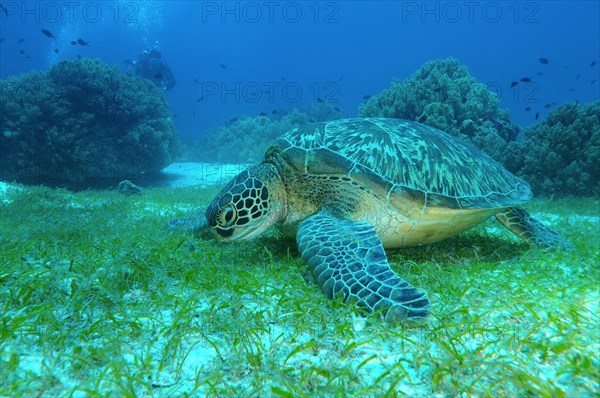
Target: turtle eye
pixel 226 216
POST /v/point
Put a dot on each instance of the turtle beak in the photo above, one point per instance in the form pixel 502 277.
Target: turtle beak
pixel 249 233
pixel 236 233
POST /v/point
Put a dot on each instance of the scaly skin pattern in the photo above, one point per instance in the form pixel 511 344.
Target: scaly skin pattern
pixel 346 257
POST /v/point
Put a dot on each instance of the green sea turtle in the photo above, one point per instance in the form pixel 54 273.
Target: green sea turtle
pixel 350 188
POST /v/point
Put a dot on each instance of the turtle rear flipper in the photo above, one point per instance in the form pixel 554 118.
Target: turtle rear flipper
pixel 347 256
pixel 531 230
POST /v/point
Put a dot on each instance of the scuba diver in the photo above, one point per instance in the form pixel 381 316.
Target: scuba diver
pixel 151 66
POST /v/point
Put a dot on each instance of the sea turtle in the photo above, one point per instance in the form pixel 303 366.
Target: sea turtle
pixel 350 188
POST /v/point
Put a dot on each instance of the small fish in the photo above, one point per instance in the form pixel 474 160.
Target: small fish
pixel 540 73
pixel 73 43
pixel 21 52
pixel 158 76
pixel 544 61
pixel 571 89
pixel 513 84
pixel 262 114
pixel 527 109
pixel 200 99
pixel 78 56
pixel 223 66
pixel 1 39
pixel 577 77
pixel 4 9
pixel 21 40
pixel 525 79
pixel 196 81
pixel 537 115
pixel 547 106
pixel 366 97
pixel 593 81
pixel 82 42
pixel 592 64
pixel 29 58
pixel 233 119
pixel 56 51
pixel 194 113
pixel 335 108
pixel 319 99
pixel 49 34
pixel 274 111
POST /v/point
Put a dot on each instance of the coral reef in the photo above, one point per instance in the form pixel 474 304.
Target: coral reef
pixel 561 155
pixel 83 122
pixel 245 139
pixel 444 95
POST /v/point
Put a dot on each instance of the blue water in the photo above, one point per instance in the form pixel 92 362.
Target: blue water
pixel 243 58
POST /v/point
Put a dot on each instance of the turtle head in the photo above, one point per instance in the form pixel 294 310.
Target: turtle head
pixel 248 205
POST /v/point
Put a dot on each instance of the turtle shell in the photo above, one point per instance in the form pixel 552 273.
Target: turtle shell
pixel 395 157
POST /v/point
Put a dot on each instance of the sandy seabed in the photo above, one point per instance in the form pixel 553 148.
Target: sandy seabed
pixel 183 174
pixel 372 360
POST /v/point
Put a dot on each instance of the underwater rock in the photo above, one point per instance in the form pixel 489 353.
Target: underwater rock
pixel 127 187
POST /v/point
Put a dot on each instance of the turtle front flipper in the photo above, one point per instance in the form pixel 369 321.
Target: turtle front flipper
pixel 529 229
pixel 347 256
